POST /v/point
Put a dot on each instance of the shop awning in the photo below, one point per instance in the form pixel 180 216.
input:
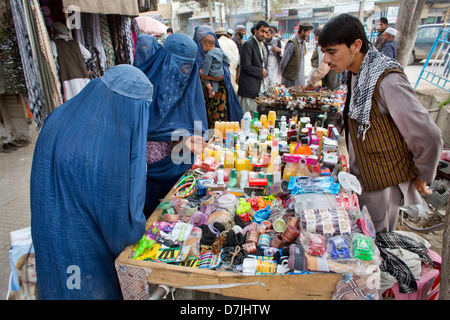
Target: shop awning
pixel 122 7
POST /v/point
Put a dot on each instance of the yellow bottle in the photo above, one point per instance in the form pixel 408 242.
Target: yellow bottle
pixel 272 116
pixel 273 155
pixel 263 120
pixel 229 160
pixel 292 144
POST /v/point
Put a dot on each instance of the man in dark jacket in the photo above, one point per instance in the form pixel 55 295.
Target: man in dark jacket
pixel 382 25
pixel 253 67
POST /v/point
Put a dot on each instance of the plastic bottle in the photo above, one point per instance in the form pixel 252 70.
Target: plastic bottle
pixel 274 154
pixel 233 179
pixel 310 133
pixel 283 127
pixel 264 121
pixel 269 177
pixel 257 126
pixel 255 119
pixel 302 169
pixel 277 170
pixel 255 151
pixel 292 144
pixel 294 116
pixel 304 148
pixel 263 136
pixel 244 179
pixel 219 178
pixel 246 122
pixel 271 118
pixel 292 131
pixel 289 170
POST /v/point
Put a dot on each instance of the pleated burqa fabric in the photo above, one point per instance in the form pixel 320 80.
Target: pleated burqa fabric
pixel 88 186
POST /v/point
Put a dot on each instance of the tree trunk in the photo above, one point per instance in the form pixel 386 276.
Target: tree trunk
pixel 444 288
pixel 407 22
pixel 361 11
pixel 210 13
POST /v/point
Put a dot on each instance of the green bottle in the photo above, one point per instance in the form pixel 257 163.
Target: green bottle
pixel 233 179
pixel 269 179
pixel 255 119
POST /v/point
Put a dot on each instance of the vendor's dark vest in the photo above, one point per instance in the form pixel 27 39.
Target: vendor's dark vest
pixel 70 61
pixel 291 70
pixel 383 157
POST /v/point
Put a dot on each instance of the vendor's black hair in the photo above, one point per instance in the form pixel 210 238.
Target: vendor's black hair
pixel 261 24
pixel 343 29
pixel 384 20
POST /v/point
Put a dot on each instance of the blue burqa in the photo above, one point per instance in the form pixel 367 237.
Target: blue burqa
pixel 233 106
pixel 87 186
pixel 146 46
pixel 178 109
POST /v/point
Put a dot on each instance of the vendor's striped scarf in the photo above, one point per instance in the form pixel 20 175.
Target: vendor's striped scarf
pixel 373 66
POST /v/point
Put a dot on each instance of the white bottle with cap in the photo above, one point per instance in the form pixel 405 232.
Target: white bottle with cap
pixel 220 176
pixel 246 123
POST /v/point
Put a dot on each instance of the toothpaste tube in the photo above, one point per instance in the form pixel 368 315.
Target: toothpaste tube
pixel 297 158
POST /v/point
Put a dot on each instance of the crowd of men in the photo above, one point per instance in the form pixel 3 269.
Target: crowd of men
pixel 264 60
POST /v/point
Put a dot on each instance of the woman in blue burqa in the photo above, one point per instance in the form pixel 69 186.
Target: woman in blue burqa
pixel 87 187
pixel 177 113
pixel 146 46
pixel 224 106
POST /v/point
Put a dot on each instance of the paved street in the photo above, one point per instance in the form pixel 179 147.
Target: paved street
pixel 15 167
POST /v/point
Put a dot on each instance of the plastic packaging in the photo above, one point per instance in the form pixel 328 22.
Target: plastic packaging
pixel 349 182
pixel 339 247
pixel 328 222
pixel 309 201
pixel 299 185
pixel 194 241
pixel 314 244
pixel 258 267
pixel 228 202
pixel 362 247
pixel 365 223
pixel 219 216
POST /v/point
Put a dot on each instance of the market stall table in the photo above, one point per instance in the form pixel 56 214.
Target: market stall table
pixel 135 276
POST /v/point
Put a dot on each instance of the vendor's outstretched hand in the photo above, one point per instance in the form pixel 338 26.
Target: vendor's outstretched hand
pixel 422 187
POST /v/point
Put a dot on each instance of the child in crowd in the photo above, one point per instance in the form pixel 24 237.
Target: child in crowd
pixel 213 63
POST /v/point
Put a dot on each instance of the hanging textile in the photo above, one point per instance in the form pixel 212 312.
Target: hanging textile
pixel 97 41
pixel 126 8
pixel 135 32
pixel 122 38
pixel 12 80
pixel 38 55
pixel 105 35
pixel 44 45
pixel 127 39
pixel 36 100
pixel 92 64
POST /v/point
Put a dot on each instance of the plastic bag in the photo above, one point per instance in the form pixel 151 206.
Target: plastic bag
pixel 326 221
pixel 314 244
pixel 362 247
pixel 23 280
pixel 300 185
pixel 339 247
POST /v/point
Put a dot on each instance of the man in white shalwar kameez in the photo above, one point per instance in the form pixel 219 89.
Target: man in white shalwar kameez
pixel 275 47
pixel 231 50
